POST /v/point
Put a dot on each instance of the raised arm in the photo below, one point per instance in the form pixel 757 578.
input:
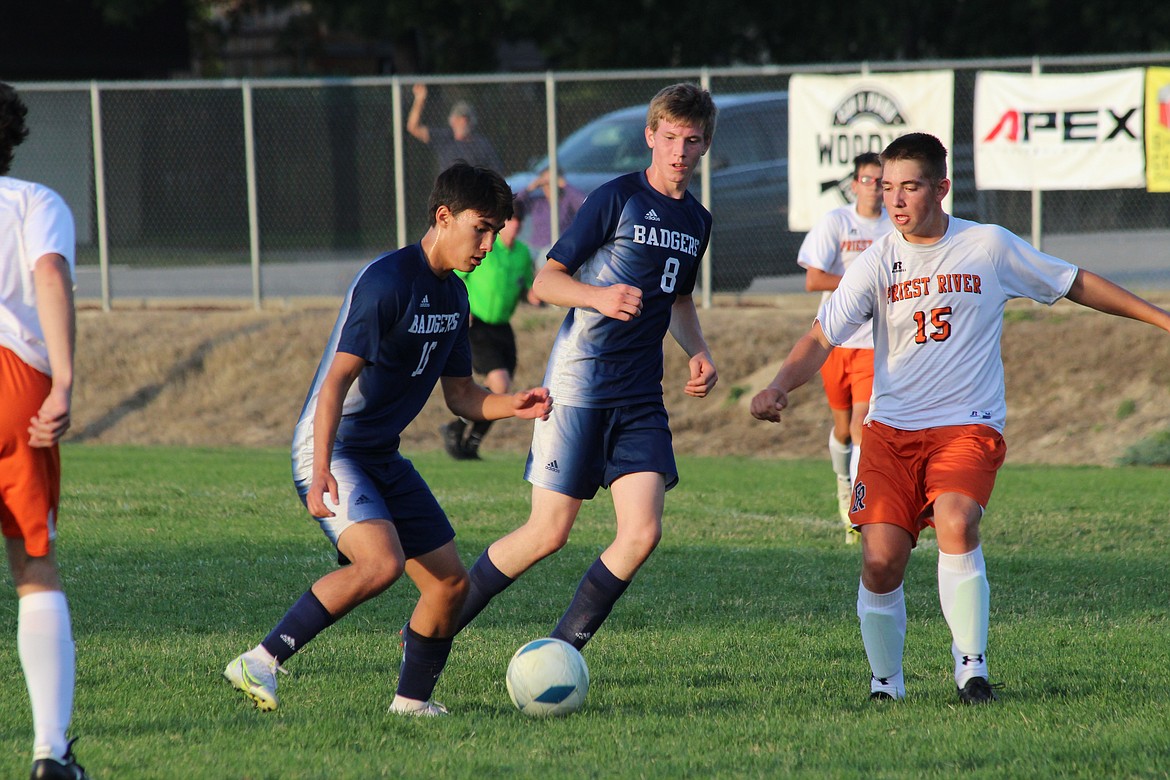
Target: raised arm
pixel 54 293
pixel 414 124
pixel 554 284
pixel 686 330
pixel 805 359
pixel 1096 292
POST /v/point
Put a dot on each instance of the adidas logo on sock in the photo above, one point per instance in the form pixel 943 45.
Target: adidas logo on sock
pixel 362 499
pixel 652 215
pixel 288 640
pixel 553 467
pixel 425 303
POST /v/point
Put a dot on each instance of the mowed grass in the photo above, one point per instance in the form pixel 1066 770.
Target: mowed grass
pixel 736 652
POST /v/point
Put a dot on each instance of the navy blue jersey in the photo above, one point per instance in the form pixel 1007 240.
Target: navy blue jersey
pixel 626 232
pixel 411 328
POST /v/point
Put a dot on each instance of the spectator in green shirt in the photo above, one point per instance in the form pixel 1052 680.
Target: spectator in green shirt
pixel 493 290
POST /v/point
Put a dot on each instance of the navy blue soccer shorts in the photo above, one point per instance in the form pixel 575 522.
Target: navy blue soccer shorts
pixel 577 450
pixel 383 488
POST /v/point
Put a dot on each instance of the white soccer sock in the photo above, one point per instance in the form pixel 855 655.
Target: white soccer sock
pixel 883 632
pixel 854 459
pixel 44 641
pixel 839 456
pixel 965 596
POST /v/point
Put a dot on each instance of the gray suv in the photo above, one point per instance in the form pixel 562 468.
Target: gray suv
pixel 749 179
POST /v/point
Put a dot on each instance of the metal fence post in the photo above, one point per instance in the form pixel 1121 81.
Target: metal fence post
pixel 399 163
pixel 705 196
pixel 253 210
pixel 99 184
pixel 1037 194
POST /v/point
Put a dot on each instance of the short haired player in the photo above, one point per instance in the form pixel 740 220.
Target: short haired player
pixel 626 270
pixel 37 331
pixel 402 329
pixel 829 248
pixel 935 290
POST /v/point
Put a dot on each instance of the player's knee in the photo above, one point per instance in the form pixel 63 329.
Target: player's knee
pixel 881 574
pixel 378 575
pixel 642 540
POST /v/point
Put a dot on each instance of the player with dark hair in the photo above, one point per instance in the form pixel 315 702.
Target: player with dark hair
pixel 626 270
pixel 402 328
pixel 935 290
pixel 828 249
pixel 493 292
pixel 37 335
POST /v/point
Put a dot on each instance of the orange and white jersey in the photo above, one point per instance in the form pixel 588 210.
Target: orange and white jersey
pixel 937 313
pixel 34 221
pixel 831 246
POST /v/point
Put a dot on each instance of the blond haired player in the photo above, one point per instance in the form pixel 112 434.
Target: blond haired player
pixel 36 389
pixel 829 248
pixel 935 290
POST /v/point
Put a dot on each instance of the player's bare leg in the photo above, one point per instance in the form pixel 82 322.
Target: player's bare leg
pixel 442 584
pixel 964 593
pixel 547 530
pixel 638 501
pixel 881 606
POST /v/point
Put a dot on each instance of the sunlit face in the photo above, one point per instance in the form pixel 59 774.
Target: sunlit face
pixel 462 239
pixel 867 190
pixel 675 152
pixel 914 202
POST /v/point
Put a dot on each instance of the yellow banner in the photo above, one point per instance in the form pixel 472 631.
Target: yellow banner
pixel 1158 129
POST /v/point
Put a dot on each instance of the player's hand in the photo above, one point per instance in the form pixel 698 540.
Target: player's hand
pixel 420 91
pixel 619 301
pixel 323 482
pixel 768 403
pixel 703 376
pixel 51 422
pixel 531 404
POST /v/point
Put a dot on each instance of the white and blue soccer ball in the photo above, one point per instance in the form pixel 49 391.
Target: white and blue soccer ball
pixel 547 677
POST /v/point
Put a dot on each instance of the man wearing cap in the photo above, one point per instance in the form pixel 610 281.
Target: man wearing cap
pixel 457 141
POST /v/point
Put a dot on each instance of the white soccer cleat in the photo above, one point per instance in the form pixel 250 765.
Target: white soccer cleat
pixel 256 677
pixel 422 709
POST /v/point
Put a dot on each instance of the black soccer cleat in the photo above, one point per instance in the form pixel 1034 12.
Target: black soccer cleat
pixel 881 696
pixel 65 769
pixel 453 439
pixel 978 691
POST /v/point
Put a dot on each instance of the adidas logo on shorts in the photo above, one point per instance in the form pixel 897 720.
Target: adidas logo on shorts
pixel 552 466
pixel 362 499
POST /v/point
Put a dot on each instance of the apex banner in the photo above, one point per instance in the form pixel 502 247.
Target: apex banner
pixel 832 119
pixel 1079 131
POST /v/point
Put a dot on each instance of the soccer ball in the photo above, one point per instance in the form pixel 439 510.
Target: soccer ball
pixel 547 677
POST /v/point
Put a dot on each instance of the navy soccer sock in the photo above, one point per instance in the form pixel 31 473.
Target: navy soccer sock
pixel 304 620
pixel 487 582
pixel 423 659
pixel 598 592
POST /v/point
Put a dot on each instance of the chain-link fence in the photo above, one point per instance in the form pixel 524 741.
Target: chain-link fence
pixel 279 188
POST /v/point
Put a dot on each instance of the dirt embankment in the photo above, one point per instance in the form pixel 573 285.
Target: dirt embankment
pixel 1082 386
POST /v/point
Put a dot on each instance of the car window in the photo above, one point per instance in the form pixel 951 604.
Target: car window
pixel 615 145
pixel 751 136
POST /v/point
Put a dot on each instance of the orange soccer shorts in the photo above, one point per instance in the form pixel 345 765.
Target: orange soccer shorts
pixel 30 477
pixel 901 473
pixel 848 377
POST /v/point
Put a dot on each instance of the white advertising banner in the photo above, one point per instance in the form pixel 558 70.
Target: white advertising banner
pixel 832 119
pixel 1077 131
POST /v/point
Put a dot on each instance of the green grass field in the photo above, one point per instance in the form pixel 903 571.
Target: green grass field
pixel 736 652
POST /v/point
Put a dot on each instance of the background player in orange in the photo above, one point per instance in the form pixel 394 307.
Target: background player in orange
pixel 36 388
pixel 935 290
pixel 828 249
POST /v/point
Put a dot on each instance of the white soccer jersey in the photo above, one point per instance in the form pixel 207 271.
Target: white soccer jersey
pixel 831 246
pixel 937 313
pixel 34 222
